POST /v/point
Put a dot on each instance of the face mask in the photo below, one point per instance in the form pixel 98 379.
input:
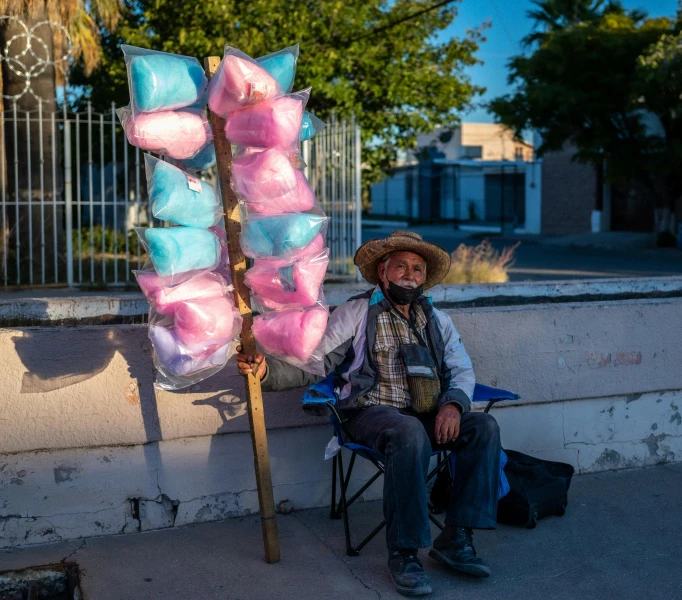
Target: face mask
pixel 404 296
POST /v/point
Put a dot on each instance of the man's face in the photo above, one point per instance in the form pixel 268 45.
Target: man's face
pixel 405 269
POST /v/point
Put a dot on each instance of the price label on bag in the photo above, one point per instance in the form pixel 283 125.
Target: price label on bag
pixel 193 183
pixel 258 89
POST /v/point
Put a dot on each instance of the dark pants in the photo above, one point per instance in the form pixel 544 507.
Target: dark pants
pixel 407 439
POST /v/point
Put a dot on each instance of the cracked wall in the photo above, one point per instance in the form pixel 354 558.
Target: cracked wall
pixel 90 448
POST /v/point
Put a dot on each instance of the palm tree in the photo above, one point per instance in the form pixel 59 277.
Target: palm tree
pixel 555 15
pixel 82 20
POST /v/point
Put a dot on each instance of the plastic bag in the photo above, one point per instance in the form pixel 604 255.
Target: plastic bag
pixel 179 253
pixel 272 123
pixel 260 176
pixel 203 160
pixel 276 285
pixel 178 197
pixel 282 66
pixel 206 320
pixel 239 81
pixel 165 299
pixel 310 126
pixel 279 236
pixel 180 134
pixel 270 184
pixel 160 81
pixel 293 336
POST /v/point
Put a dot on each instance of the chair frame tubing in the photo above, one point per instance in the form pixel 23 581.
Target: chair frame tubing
pixel 340 509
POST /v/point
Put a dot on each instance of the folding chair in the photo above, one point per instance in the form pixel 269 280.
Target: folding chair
pixel 321 395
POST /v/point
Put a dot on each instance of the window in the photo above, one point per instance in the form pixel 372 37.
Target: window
pixel 471 152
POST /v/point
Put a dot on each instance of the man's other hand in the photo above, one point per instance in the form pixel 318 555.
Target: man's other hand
pixel 447 424
pixel 252 364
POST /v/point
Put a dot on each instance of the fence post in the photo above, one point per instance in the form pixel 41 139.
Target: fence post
pixel 68 206
pixel 358 192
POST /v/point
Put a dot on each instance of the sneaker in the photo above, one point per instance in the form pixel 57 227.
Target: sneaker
pixel 455 548
pixel 408 573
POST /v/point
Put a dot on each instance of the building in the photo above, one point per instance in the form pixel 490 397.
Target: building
pixel 476 141
pixel 477 175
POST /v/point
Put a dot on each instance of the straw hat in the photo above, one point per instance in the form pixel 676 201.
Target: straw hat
pixel 370 254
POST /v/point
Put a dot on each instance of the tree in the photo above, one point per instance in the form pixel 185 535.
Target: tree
pixel 556 15
pixel 583 85
pixel 379 59
pixel 81 19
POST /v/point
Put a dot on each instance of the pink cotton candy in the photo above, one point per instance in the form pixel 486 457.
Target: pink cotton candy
pixel 273 123
pixel 277 287
pixel 299 199
pixel 260 176
pixel 206 320
pixel 165 299
pixel 239 82
pixel 294 333
pixel 178 134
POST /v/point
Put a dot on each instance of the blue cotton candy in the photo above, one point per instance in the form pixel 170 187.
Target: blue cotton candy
pixel 175 250
pixel 173 200
pixel 277 235
pixel 282 66
pixel 310 126
pixel 165 82
pixel 205 159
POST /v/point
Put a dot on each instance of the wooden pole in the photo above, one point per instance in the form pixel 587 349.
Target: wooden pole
pixel 254 396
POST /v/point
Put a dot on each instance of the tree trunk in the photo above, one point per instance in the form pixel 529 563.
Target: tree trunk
pixel 29 177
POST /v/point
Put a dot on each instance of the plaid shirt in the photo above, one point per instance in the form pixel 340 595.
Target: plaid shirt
pixel 393 330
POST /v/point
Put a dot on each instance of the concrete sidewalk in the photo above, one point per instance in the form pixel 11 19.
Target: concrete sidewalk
pixel 621 539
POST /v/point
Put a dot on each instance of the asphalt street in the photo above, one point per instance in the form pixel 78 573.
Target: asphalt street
pixel 536 259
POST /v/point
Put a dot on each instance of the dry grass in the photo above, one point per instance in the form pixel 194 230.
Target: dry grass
pixel 480 264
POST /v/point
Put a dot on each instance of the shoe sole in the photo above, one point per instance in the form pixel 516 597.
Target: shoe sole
pixel 473 570
pixel 425 590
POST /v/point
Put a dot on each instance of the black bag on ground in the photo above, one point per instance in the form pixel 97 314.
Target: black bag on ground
pixel 538 488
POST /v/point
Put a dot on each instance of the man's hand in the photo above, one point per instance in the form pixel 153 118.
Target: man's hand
pixel 447 424
pixel 251 364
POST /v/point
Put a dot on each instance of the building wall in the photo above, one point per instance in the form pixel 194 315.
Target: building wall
pixel 568 194
pixel 496 142
pixel 88 446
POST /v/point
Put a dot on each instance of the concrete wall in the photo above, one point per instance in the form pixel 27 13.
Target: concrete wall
pixel 88 446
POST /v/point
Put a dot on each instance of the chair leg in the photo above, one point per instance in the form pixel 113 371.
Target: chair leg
pixel 350 551
pixel 332 509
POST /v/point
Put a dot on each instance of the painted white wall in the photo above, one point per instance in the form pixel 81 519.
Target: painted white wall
pixel 84 436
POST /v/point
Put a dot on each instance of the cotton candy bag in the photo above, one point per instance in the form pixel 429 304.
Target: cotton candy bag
pixel 160 81
pixel 276 285
pixel 239 81
pixel 272 123
pixel 293 335
pixel 282 66
pixel 166 298
pixel 178 253
pixel 180 198
pixel 279 236
pixel 179 134
pixel 310 126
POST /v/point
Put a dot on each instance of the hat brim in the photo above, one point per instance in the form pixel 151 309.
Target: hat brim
pixel 370 254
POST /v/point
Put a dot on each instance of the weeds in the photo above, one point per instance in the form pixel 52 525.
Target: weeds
pixel 480 264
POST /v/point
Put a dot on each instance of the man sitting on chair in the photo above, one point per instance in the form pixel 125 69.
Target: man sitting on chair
pixel 404 385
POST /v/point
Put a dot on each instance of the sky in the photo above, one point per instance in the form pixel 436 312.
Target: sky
pixel 509 26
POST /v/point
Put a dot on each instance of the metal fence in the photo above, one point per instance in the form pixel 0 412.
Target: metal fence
pixel 73 190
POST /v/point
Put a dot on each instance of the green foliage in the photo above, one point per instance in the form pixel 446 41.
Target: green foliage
pixel 399 81
pixel 606 83
pixel 114 241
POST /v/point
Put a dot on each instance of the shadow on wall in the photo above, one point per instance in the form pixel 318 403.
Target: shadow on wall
pixel 55 358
